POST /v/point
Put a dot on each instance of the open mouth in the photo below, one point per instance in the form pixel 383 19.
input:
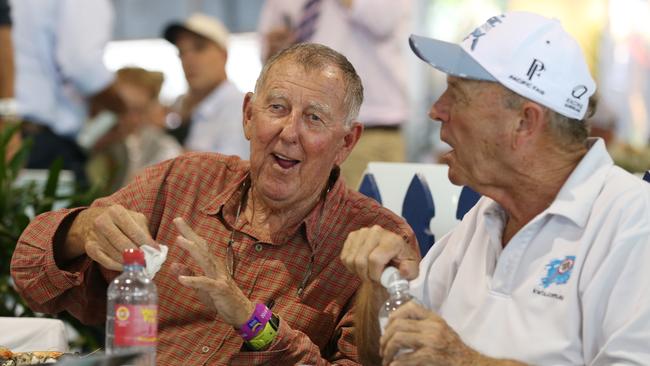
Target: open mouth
pixel 284 161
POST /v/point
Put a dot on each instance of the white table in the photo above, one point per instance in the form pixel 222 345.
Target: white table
pixel 33 334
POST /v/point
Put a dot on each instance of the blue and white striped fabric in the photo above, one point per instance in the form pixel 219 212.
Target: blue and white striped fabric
pixel 307 25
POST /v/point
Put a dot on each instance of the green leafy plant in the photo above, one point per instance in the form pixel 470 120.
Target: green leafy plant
pixel 18 205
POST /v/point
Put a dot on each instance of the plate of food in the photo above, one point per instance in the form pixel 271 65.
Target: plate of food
pixel 9 358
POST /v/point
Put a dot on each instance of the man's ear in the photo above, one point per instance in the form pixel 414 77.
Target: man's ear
pixel 532 120
pixel 247 113
pixel 350 139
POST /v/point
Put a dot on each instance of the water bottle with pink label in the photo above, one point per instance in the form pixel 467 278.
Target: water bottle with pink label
pixel 132 311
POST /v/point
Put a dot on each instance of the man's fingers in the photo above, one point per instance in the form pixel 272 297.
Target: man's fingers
pixel 95 252
pixel 110 237
pixel 179 269
pixel 108 248
pixel 362 255
pixel 421 356
pixel 400 326
pixel 136 231
pixel 200 283
pixel 351 247
pixel 407 341
pixel 187 231
pixel 367 251
pixel 389 245
pixel 141 220
pixel 200 256
pixel 198 248
pixel 413 310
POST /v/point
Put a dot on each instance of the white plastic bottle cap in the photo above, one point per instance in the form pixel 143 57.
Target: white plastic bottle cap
pixel 389 276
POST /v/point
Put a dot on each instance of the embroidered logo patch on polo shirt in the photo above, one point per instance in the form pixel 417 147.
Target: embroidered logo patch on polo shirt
pixel 558 272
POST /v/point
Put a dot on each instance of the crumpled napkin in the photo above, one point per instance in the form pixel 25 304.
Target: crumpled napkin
pixel 154 259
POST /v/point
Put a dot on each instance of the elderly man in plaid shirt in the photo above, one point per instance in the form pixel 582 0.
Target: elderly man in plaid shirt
pixel 244 237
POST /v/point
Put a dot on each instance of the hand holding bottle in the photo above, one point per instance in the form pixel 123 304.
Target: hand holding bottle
pixel 368 251
pixel 431 339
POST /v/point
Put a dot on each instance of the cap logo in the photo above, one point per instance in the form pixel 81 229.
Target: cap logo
pixel 579 91
pixel 483 29
pixel 535 69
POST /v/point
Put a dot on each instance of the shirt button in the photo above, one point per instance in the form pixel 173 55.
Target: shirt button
pixel 259 247
pixel 205 349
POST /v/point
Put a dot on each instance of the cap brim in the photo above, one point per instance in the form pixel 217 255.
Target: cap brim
pixel 449 58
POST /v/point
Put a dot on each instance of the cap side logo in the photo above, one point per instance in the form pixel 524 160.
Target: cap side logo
pixel 535 69
pixel 482 30
pixel 579 91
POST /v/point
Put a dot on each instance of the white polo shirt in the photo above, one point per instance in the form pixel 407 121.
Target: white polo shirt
pixel 571 288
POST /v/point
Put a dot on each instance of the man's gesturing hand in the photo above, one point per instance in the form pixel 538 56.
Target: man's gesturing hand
pixel 216 284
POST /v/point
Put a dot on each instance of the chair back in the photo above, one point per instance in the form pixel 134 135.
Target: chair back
pixel 422 194
pixel 646 176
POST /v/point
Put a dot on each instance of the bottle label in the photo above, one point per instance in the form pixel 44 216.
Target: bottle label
pixel 136 325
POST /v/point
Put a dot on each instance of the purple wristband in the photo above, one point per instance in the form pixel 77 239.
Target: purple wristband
pixel 256 323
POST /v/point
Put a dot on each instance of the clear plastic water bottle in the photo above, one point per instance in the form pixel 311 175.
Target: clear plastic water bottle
pixel 398 295
pixel 132 311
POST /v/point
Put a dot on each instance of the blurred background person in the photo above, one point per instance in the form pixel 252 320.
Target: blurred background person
pixel 372 34
pixel 60 76
pixel 7 101
pixel 142 139
pixel 210 112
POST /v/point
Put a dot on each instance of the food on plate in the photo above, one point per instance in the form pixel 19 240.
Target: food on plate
pixel 5 355
pixel 8 358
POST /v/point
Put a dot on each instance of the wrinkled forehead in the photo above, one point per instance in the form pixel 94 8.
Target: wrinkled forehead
pixel 325 79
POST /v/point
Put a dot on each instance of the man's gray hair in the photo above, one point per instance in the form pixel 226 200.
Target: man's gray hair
pixel 568 132
pixel 314 57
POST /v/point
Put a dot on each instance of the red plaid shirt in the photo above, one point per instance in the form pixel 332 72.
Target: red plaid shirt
pixel 203 188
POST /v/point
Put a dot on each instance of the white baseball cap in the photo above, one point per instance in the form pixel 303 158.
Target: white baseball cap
pixel 201 24
pixel 527 53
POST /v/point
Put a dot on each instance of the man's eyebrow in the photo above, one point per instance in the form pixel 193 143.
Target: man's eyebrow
pixel 275 94
pixel 321 107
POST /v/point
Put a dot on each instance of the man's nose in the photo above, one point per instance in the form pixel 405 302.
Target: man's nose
pixel 439 111
pixel 290 127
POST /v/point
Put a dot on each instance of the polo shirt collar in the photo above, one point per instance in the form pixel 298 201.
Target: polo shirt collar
pixel 579 192
pixel 576 197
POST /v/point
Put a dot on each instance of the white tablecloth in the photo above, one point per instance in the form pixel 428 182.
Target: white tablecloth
pixel 33 334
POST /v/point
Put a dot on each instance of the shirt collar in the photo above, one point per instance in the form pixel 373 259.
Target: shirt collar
pixel 228 193
pixel 577 195
pixel 315 224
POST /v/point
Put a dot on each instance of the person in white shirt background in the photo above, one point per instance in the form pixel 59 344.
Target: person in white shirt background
pixel 370 33
pixel 550 266
pixel 61 79
pixel 210 112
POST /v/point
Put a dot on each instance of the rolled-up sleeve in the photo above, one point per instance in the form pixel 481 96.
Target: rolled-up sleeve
pixel 80 287
pixel 49 289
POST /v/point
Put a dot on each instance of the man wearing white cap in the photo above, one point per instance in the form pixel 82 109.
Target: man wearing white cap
pixel 211 110
pixel 550 266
